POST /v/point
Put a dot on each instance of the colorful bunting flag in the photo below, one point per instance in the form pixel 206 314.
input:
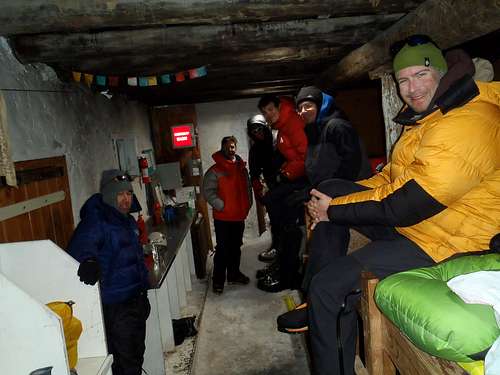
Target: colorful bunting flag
pixel 192 73
pixel 100 80
pixel 143 81
pixel 88 78
pixel 179 77
pixel 165 79
pixel 153 81
pixel 132 81
pixel 77 76
pixel 202 71
pixel 113 81
pixel 198 72
pixel 146 81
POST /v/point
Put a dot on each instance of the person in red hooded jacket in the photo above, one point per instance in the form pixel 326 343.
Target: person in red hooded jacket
pixel 226 187
pixel 291 143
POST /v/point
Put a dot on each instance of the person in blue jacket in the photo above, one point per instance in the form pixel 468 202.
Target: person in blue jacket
pixel 107 246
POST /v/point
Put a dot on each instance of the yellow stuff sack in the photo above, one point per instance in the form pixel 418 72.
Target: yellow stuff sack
pixel 72 328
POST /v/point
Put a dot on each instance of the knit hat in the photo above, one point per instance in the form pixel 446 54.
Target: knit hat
pixel 426 54
pixel 309 93
pixel 114 181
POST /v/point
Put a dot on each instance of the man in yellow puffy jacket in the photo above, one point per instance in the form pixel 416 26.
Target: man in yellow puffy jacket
pixel 439 196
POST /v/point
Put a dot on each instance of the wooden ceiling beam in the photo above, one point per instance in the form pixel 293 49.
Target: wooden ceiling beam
pixel 47 48
pixel 448 22
pixel 154 99
pixel 41 16
pixel 164 63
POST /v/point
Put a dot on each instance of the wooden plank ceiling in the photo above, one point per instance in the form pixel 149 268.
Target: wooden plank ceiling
pixel 248 47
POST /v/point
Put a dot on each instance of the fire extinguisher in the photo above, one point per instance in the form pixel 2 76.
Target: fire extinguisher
pixel 143 164
pixel 143 233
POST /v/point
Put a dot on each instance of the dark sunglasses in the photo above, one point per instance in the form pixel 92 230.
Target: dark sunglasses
pixel 124 177
pixel 412 41
pixel 257 130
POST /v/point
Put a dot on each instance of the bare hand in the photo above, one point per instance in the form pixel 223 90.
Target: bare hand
pixel 317 207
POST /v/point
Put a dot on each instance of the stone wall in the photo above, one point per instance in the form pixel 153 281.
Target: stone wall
pixel 49 118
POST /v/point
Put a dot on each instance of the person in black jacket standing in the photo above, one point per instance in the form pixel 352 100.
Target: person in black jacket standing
pixel 264 160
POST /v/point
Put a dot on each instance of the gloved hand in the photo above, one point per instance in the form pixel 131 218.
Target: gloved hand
pixel 282 178
pixel 298 198
pixel 89 271
pixel 495 243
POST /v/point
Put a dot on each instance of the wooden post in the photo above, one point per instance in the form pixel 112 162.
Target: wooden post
pixel 376 360
pixel 261 216
pixel 391 104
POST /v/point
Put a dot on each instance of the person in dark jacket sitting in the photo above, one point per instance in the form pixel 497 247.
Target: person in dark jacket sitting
pixel 107 246
pixel 334 149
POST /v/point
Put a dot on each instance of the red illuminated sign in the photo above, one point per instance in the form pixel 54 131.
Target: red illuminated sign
pixel 182 136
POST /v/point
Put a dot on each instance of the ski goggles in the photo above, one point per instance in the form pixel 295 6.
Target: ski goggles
pixel 124 177
pixel 412 41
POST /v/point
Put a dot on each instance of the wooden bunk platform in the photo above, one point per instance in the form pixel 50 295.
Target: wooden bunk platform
pixel 387 350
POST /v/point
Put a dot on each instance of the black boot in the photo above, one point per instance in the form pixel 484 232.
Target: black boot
pixel 273 268
pixel 268 255
pixel 270 284
pixel 239 278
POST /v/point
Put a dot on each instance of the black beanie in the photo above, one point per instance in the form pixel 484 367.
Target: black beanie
pixel 110 186
pixel 309 93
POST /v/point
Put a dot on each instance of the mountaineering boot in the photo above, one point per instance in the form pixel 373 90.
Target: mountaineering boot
pixel 270 283
pixel 239 278
pixel 268 255
pixel 294 321
pixel 273 268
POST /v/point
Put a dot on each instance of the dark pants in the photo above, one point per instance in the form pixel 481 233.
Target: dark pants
pixel 288 257
pixel 229 237
pixel 125 325
pixel 332 275
pixel 280 213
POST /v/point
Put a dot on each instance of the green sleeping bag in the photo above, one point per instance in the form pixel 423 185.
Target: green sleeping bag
pixel 434 318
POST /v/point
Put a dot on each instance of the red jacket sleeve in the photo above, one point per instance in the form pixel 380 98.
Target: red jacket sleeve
pixel 292 142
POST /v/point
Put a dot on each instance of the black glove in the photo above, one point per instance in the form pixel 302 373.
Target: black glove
pixel 495 243
pixel 89 271
pixel 298 198
pixel 282 179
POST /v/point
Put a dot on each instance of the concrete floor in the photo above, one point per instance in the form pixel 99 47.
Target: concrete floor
pixel 237 331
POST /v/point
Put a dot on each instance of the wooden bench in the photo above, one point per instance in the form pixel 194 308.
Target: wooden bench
pixel 387 349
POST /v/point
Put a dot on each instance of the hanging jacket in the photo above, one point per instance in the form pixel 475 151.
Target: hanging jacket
pixel 334 149
pixel 291 141
pixel 226 187
pixel 442 187
pixel 112 239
